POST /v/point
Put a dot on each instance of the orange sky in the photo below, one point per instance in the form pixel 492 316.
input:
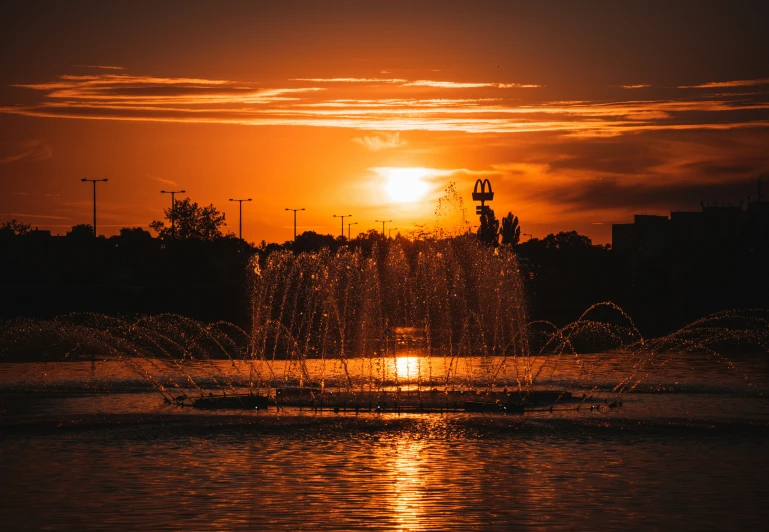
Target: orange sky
pixel 579 116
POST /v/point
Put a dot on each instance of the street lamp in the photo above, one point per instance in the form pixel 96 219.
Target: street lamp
pixel 295 218
pixel 240 220
pixel 348 228
pixel 389 231
pixel 383 222
pixel 173 202
pixel 94 181
pixel 528 234
pixel 342 216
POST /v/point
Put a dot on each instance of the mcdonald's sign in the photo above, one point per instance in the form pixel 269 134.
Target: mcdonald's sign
pixel 480 193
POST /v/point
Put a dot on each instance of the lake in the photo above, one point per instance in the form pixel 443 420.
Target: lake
pixel 89 445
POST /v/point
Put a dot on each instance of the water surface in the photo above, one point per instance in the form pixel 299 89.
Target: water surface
pixel 89 446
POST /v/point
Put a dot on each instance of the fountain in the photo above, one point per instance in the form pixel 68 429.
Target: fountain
pixel 430 324
pixel 447 301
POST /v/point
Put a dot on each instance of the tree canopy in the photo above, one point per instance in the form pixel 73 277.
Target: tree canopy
pixel 81 231
pixel 567 240
pixel 135 233
pixel 191 222
pixel 15 228
pixel 511 231
pixel 312 241
pixel 488 231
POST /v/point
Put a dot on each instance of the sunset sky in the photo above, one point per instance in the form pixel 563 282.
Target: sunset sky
pixel 580 113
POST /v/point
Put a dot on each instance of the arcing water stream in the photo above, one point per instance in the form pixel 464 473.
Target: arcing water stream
pixel 428 327
pixel 350 349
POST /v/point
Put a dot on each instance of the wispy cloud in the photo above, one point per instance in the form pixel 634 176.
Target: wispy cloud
pixel 35 150
pixel 724 84
pixel 381 142
pixel 164 181
pixel 422 83
pixel 518 86
pixel 638 86
pixel 351 80
pixel 123 89
pixel 384 106
pixel 39 216
pixel 101 67
pixel 556 182
pixel 466 85
pixel 13 158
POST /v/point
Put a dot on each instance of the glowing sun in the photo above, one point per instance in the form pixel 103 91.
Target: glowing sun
pixel 405 185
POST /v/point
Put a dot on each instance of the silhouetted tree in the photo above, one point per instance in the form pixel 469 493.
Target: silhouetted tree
pixel 15 228
pixel 488 232
pixel 511 231
pixel 567 240
pixel 312 241
pixel 81 231
pixel 135 233
pixel 265 249
pixel 192 222
pixel 565 274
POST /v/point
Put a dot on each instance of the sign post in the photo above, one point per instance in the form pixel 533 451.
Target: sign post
pixel 480 194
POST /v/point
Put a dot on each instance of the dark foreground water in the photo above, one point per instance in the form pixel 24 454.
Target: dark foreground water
pixel 681 455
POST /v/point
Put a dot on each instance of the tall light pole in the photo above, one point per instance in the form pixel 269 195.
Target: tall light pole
pixel 342 216
pixel 94 181
pixel 295 219
pixel 240 220
pixel 383 222
pixel 348 228
pixel 389 231
pixel 173 202
pixel 528 234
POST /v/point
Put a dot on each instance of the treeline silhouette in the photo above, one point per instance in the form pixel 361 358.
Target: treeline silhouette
pixel 200 271
pixel 683 281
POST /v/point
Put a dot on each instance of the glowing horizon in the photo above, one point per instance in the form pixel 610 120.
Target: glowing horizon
pixel 575 134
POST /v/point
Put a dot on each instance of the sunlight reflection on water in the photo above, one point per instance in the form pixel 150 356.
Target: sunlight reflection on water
pixel 118 458
pixel 411 473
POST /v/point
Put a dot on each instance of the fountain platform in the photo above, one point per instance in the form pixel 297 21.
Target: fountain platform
pixel 231 402
pixel 430 400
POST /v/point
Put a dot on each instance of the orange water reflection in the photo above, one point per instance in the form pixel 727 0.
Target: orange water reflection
pixel 408 472
pixel 408 368
pixel 408 482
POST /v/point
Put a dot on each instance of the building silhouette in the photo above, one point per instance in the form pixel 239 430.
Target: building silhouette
pixel 716 227
pixel 674 269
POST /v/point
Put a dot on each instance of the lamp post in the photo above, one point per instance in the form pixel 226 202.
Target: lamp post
pixel 295 218
pixel 348 228
pixel 173 202
pixel 390 231
pixel 342 216
pixel 94 181
pixel 528 234
pixel 383 222
pixel 240 220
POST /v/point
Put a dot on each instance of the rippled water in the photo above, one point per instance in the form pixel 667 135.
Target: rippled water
pixel 687 451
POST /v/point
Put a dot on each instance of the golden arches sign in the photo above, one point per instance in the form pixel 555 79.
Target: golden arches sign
pixel 482 195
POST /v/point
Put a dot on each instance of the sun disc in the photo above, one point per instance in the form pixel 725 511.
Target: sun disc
pixel 405 185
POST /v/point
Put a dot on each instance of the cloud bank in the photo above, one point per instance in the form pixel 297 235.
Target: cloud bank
pixel 390 105
pixel 384 141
